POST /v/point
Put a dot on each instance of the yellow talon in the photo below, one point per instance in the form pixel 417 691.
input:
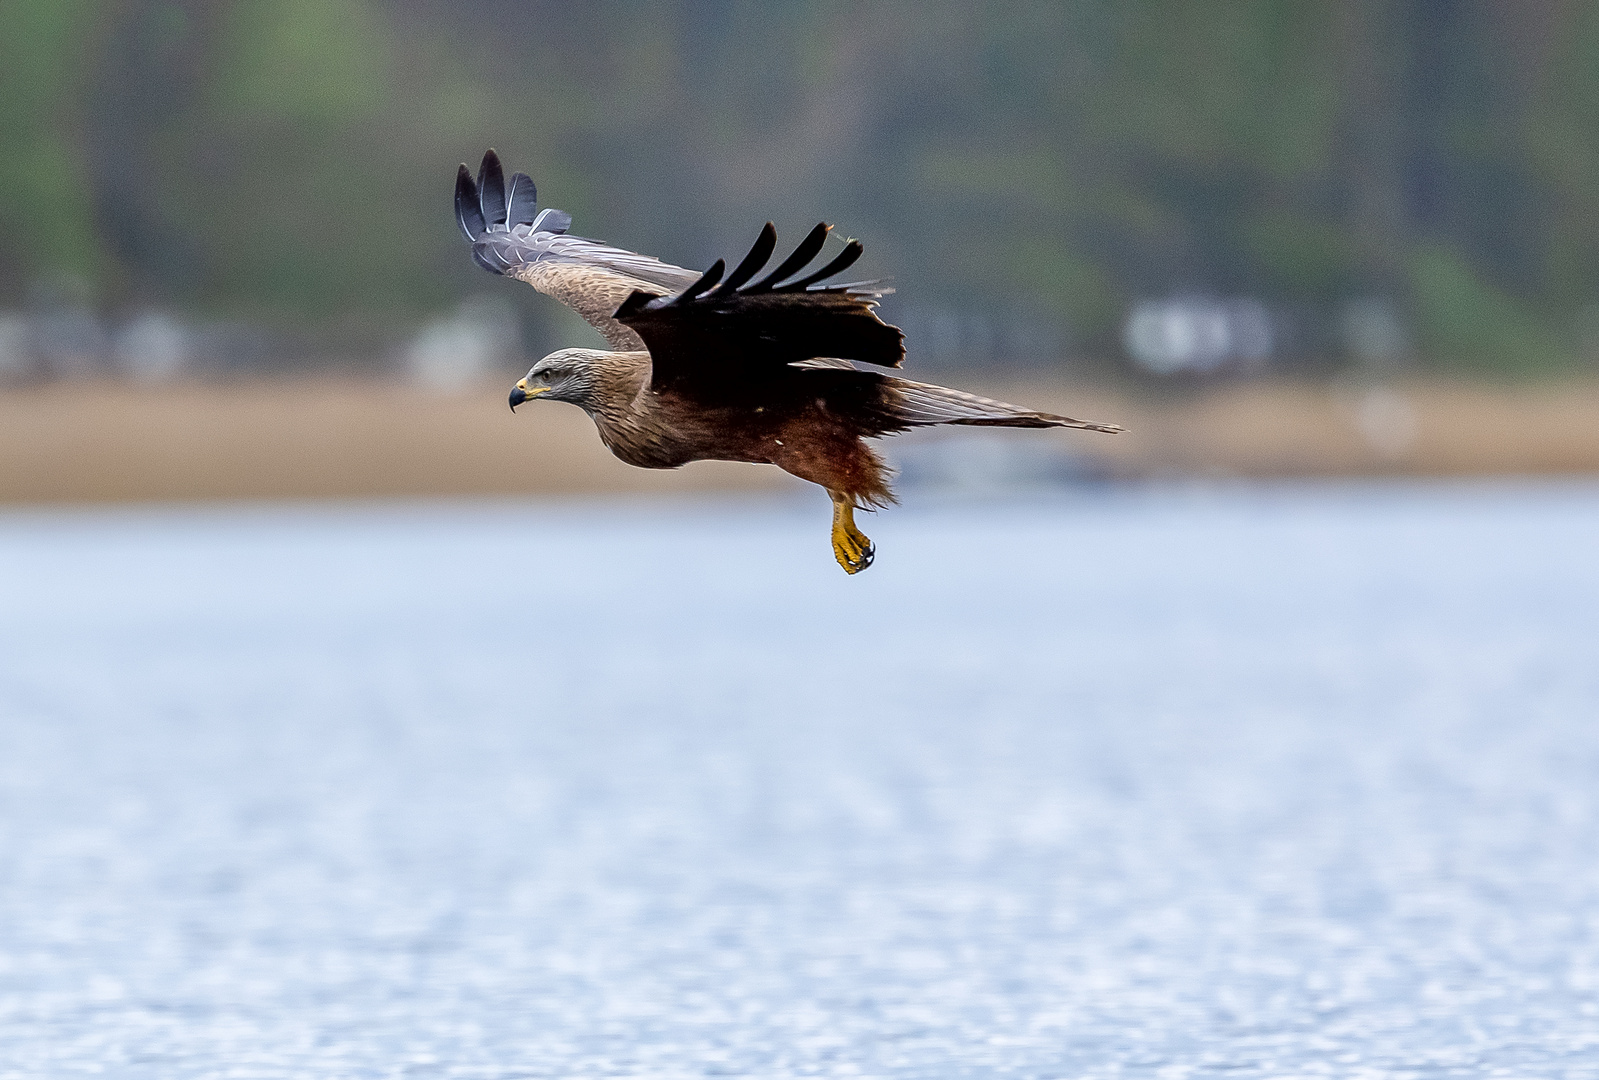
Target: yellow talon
pixel 851 547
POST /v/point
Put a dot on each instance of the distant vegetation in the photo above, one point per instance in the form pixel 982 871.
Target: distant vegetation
pixel 1027 168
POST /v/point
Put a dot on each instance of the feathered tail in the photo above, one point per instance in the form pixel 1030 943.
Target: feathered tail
pixel 923 405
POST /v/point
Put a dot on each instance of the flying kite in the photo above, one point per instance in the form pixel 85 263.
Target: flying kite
pixel 719 366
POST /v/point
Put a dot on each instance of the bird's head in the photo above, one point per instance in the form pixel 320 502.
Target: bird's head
pixel 570 375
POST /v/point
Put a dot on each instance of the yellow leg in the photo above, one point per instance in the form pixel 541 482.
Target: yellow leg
pixel 851 547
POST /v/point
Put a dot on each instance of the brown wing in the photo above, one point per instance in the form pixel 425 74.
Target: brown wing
pixel 511 236
pixel 712 332
pixel 592 292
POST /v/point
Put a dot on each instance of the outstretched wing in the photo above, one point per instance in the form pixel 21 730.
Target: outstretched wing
pixel 717 330
pixel 511 236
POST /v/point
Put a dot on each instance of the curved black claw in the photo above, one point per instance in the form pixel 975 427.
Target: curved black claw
pixel 866 558
pixel 854 551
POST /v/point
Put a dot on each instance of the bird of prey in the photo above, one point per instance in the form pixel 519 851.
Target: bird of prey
pixel 719 366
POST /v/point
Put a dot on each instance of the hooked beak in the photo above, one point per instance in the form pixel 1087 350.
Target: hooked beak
pixel 524 392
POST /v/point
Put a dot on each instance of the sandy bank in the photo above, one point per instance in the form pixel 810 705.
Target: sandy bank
pixel 324 438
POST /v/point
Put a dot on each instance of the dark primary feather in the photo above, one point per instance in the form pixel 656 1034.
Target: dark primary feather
pixel 551 220
pixel 486 201
pixel 704 337
pixel 801 255
pixel 491 189
pixel 765 244
pixel 845 260
pixel 468 214
pixel 522 200
pixel 694 291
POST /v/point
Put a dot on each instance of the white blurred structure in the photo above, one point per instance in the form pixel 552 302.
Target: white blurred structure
pixel 1199 335
pixel 69 341
pixel 153 347
pixel 942 338
pixel 479 339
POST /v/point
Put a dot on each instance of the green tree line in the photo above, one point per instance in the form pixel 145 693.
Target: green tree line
pixel 291 160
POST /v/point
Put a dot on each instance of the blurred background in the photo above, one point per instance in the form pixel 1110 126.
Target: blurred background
pixel 1272 238
pixel 1148 755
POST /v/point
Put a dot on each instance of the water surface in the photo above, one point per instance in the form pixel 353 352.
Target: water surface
pixel 1249 784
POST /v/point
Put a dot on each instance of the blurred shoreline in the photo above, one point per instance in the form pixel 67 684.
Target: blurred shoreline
pixel 101 441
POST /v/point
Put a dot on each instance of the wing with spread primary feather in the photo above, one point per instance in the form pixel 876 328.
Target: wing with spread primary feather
pixel 716 330
pixel 511 236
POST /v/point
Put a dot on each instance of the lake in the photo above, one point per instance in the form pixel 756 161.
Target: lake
pixel 1115 782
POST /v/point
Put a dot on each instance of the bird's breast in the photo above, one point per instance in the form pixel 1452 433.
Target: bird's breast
pixel 663 433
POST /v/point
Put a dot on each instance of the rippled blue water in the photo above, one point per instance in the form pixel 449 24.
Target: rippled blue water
pixel 1129 784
